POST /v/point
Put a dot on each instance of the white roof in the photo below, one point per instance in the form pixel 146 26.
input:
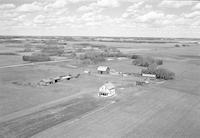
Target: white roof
pixel 109 85
pixel 148 75
pixel 102 68
pixel 46 80
pixel 56 78
pixel 67 76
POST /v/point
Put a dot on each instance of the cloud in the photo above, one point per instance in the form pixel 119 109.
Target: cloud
pixel 175 3
pixel 99 5
pixel 197 6
pixel 120 15
pixel 39 19
pixel 20 18
pixel 107 3
pixel 154 15
pixel 84 8
pixel 32 7
pixel 192 14
pixel 133 9
pixel 7 6
pixel 56 4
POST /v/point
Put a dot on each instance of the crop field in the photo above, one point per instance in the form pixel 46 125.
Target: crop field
pixel 28 125
pixel 72 108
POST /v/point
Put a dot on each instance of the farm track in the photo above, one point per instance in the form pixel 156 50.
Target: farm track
pixel 38 63
pixel 31 124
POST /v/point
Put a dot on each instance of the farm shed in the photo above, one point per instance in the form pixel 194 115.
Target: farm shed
pixel 66 77
pixel 107 89
pixel 57 79
pixel 87 71
pixel 149 75
pixel 46 82
pixel 103 70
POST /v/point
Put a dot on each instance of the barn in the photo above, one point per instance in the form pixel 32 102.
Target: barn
pixel 103 70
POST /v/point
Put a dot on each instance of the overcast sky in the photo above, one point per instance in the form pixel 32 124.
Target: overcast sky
pixel 137 18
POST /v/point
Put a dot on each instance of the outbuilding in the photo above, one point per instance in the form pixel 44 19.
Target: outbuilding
pixel 57 79
pixel 66 77
pixel 103 70
pixel 107 89
pixel 46 82
pixel 151 76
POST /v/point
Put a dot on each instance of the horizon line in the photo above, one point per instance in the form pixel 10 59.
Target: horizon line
pixel 101 36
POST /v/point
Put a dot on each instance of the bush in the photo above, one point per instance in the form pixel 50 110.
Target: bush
pixel 160 73
pixel 112 52
pixel 53 51
pixel 135 56
pixel 159 61
pixel 92 58
pixel 146 61
pixel 164 74
pixel 143 61
pixel 36 58
pixel 177 45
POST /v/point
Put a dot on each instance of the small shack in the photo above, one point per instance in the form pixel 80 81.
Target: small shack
pixel 107 89
pixel 103 70
pixel 46 82
pixel 57 79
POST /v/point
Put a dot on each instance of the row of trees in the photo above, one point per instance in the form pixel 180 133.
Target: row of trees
pixel 151 65
pixel 160 73
pixel 92 58
pixel 36 58
pixel 145 61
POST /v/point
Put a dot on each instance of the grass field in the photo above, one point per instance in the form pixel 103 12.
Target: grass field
pixel 165 109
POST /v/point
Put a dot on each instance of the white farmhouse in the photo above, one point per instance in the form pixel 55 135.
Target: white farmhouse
pixel 107 89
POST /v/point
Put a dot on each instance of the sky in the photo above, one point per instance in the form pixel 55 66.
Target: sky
pixel 127 18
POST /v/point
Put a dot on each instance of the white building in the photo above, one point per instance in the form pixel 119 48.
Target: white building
pixel 107 89
pixel 103 70
pixel 46 82
pixel 67 77
pixel 149 75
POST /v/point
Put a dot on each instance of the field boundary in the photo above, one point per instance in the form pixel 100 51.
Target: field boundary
pixel 70 122
pixel 36 63
pixel 39 107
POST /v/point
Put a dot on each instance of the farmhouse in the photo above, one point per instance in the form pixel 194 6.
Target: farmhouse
pixel 107 89
pixel 103 70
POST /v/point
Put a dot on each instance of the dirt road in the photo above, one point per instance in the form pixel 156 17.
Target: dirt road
pixel 38 63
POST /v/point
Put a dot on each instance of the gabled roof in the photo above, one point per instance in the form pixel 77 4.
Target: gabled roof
pixel 109 85
pixel 46 80
pixel 56 78
pixel 66 76
pixel 102 68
